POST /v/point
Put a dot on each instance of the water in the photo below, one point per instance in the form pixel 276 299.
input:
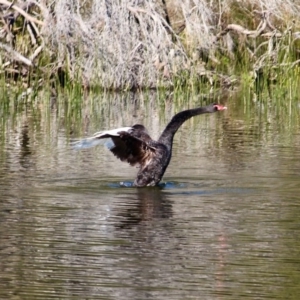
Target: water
pixel 224 223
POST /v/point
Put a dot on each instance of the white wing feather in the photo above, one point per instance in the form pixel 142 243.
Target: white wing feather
pixel 113 132
pixel 96 139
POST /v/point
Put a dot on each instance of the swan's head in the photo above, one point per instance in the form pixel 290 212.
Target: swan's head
pixel 218 107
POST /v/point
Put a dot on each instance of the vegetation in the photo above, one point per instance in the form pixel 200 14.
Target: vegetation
pixel 128 45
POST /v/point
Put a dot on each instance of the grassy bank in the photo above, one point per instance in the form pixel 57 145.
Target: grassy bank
pixel 119 45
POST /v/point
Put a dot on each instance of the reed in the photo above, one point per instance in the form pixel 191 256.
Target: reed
pixel 122 46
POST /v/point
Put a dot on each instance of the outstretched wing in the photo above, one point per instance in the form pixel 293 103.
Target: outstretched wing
pixel 125 143
pixel 99 138
pixel 135 150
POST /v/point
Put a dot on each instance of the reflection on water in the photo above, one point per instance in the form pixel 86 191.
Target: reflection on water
pixel 224 223
pixel 152 204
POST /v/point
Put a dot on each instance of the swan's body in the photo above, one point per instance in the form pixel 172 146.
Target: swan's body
pixel 134 145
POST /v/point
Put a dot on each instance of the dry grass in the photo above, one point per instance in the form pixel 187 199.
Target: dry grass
pixel 130 44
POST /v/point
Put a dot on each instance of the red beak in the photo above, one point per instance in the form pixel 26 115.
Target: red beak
pixel 220 107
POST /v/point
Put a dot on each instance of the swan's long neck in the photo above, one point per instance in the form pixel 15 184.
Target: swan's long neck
pixel 166 137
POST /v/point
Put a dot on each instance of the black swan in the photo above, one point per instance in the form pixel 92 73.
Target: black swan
pixel 134 145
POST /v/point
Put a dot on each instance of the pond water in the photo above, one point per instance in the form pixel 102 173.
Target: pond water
pixel 224 223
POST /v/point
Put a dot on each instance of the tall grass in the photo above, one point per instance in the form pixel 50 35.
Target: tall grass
pixel 128 44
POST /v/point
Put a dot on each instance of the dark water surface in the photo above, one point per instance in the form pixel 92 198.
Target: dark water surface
pixel 224 224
